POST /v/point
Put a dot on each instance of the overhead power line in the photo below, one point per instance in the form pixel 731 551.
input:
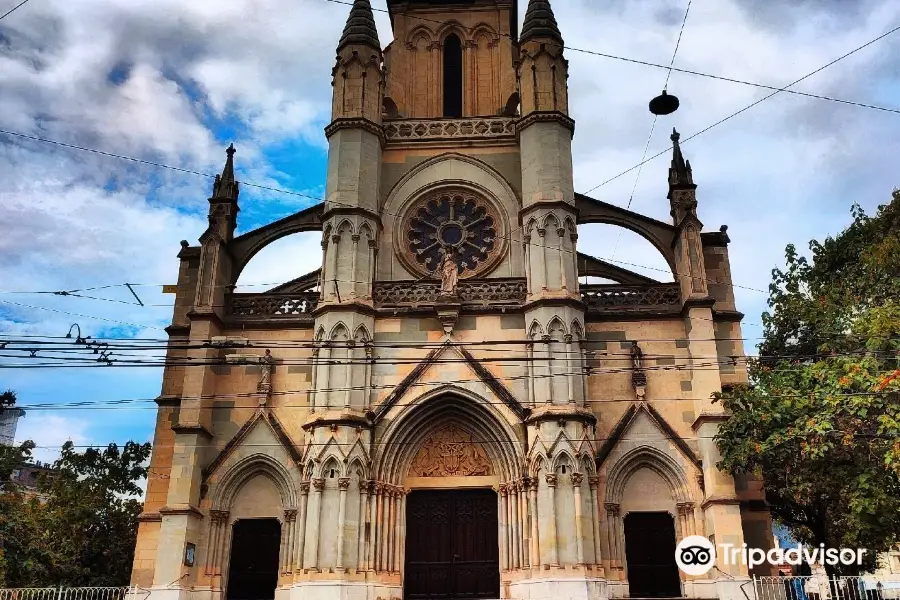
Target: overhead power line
pixel 13 9
pixel 749 106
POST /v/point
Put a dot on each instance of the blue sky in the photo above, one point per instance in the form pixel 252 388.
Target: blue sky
pixel 174 82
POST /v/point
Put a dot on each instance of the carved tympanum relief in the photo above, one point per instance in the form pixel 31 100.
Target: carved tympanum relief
pixel 450 452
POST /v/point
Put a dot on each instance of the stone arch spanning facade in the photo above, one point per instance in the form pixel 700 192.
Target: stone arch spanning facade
pixel 403 438
pixel 245 247
pixel 661 235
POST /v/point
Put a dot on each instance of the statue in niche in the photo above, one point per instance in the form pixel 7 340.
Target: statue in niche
pixel 267 363
pixel 449 273
pixel 638 376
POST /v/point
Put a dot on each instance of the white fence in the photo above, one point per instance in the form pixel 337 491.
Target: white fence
pixel 74 593
pixel 820 587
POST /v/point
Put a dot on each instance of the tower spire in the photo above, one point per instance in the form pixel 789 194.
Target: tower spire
pixel 540 24
pixel 680 171
pixel 360 28
pixel 225 186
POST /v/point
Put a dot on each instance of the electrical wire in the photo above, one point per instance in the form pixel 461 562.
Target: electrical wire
pixel 645 63
pixel 749 106
pixel 13 9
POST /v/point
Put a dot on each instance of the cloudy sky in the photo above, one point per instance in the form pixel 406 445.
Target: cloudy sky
pixel 174 82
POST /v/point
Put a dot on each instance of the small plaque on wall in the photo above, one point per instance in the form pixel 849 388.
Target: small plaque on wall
pixel 189 551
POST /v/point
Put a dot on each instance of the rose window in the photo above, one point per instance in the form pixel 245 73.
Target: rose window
pixel 455 220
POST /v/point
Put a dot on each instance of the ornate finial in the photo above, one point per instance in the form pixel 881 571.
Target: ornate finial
pixel 680 171
pixel 360 28
pixel 225 186
pixel 540 23
pixel 184 244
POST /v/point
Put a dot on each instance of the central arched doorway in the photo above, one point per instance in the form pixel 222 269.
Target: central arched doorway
pixel 451 449
pixel 452 548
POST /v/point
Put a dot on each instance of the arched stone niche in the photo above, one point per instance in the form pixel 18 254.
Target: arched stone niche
pixel 253 487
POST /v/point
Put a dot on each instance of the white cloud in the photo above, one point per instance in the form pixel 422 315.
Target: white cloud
pixel 157 80
pixel 50 431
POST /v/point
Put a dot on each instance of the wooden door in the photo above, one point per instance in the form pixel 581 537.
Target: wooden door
pixel 451 545
pixel 253 568
pixel 650 555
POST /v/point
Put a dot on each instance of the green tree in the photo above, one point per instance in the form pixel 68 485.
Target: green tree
pixel 820 420
pixel 82 527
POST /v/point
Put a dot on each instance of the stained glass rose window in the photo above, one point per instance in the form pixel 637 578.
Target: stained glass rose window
pixel 454 219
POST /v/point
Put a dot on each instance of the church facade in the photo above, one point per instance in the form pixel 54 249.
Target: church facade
pixel 445 409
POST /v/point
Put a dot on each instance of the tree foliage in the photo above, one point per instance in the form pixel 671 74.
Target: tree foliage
pixel 80 530
pixel 820 420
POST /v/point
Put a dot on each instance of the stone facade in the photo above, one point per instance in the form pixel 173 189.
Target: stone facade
pixel 325 402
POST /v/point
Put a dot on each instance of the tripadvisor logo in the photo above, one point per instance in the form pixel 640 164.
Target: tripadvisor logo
pixel 695 555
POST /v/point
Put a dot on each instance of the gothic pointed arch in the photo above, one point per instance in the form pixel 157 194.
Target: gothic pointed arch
pixel 448 406
pixel 647 457
pixel 247 468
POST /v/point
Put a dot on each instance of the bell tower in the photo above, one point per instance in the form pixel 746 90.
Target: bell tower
pixel 450 58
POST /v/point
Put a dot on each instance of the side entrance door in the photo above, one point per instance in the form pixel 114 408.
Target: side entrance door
pixel 451 545
pixel 650 555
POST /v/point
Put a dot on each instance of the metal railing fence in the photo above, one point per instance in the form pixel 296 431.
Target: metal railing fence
pixel 73 593
pixel 822 587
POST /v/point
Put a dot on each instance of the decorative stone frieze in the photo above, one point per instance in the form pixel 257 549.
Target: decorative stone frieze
pixel 397 130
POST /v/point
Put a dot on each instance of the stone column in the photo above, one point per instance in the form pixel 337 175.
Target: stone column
pixel 348 373
pixel 287 557
pixel 371 540
pixel 612 527
pixel 353 278
pixel 595 518
pixel 551 489
pixel 563 271
pixel 343 484
pixel 373 250
pixel 542 233
pixel 530 381
pixel 318 486
pixel 535 539
pixel 380 539
pixel 577 479
pixel 548 376
pixel 370 359
pixel 301 523
pixel 326 375
pixel 526 247
pixel 399 536
pixel 570 374
pixel 361 528
pixel 522 486
pixel 504 536
pixel 391 529
pixel 514 521
pixel 315 376
pixel 217 526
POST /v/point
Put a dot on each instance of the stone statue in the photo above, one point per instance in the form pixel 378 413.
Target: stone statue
pixel 449 273
pixel 265 380
pixel 638 376
pixel 637 357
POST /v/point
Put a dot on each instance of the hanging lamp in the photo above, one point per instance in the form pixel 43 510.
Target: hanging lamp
pixel 664 104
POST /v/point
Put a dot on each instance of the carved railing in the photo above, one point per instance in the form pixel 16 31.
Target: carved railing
pixel 484 292
pixel 443 129
pixel 665 297
pixel 271 306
